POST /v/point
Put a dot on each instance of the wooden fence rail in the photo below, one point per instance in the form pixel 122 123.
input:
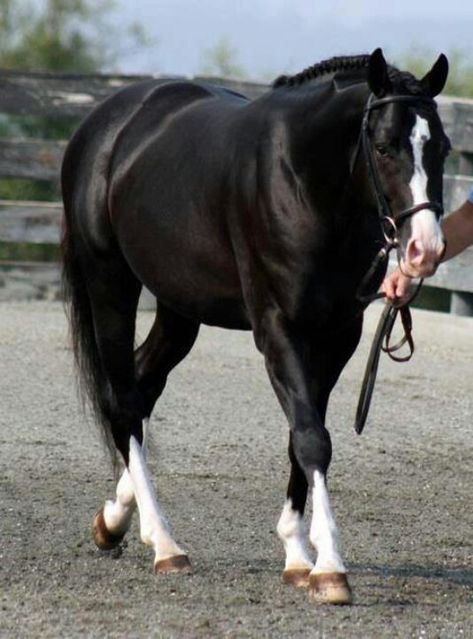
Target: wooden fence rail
pixel 60 97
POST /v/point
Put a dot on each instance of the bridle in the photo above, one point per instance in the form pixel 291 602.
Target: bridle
pixel 391 226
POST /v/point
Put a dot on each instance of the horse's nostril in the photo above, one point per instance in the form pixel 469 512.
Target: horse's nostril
pixel 415 252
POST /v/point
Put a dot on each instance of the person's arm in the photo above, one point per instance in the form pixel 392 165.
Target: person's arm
pixel 458 231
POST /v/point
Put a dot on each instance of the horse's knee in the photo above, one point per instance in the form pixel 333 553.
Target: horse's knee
pixel 313 449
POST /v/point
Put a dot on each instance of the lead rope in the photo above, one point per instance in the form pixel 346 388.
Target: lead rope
pixel 384 332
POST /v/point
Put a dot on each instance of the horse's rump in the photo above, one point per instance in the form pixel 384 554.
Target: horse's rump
pixel 152 181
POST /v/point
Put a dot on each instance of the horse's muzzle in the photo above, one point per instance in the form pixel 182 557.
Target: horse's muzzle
pixel 420 260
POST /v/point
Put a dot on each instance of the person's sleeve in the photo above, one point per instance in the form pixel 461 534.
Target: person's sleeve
pixel 470 197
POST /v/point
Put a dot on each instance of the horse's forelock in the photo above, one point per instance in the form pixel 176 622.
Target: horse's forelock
pixel 405 83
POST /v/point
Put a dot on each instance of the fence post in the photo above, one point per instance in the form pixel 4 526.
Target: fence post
pixel 461 304
pixel 465 164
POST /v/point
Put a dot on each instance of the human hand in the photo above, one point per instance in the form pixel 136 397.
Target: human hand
pixel 396 286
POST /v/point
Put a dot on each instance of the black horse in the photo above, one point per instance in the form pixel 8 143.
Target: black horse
pixel 256 215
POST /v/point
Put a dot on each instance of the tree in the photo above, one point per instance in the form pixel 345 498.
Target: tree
pixel 63 35
pixel 60 36
pixel 221 61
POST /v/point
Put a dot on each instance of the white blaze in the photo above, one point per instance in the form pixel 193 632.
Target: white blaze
pixel 424 224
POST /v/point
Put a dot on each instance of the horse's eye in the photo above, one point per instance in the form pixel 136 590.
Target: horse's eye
pixel 382 150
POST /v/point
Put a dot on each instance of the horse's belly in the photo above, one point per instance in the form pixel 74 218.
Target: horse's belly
pixel 195 276
pixel 194 298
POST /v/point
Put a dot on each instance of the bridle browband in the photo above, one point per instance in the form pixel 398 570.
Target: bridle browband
pixel 391 226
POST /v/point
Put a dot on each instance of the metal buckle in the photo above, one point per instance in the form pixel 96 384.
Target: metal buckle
pixel 393 241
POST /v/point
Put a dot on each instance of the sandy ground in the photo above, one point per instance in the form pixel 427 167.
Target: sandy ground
pixel 401 493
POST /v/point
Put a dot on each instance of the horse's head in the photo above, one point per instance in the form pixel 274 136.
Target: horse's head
pixel 407 147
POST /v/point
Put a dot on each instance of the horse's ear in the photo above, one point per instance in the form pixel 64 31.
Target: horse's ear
pixel 434 81
pixel 378 78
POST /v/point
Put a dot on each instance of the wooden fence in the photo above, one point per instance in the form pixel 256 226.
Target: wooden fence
pixel 35 225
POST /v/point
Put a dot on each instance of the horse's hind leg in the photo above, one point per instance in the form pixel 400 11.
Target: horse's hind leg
pixel 113 520
pixel 169 340
pixel 113 294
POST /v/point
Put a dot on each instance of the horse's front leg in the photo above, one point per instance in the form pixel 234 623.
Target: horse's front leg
pixel 327 582
pixel 303 387
pixel 291 530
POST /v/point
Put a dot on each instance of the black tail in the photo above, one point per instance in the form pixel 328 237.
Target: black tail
pixel 92 380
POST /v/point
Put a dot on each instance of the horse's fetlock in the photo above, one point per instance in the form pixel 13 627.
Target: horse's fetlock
pixel 146 535
pixel 288 528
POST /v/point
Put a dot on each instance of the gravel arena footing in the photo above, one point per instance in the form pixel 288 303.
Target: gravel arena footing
pixel 402 494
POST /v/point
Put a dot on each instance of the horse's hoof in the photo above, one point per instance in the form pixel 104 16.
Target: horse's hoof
pixel 332 588
pixel 103 538
pixel 175 564
pixel 298 577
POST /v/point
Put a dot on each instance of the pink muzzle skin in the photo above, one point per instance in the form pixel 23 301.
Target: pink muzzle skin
pixel 421 259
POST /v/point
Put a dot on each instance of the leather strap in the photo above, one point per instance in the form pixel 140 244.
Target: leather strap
pixel 383 333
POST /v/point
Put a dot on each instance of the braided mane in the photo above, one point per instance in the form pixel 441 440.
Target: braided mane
pixel 331 65
pixel 340 63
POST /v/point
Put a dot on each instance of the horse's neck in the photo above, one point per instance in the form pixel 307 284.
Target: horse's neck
pixel 323 127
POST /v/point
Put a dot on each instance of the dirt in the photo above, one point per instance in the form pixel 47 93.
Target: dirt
pixel 401 494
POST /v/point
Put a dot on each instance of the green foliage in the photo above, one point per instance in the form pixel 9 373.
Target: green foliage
pixel 65 36
pixel 22 251
pixel 221 61
pixel 62 35
pixel 36 190
pixel 460 78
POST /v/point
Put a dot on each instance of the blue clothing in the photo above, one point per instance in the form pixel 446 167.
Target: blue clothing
pixel 470 197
